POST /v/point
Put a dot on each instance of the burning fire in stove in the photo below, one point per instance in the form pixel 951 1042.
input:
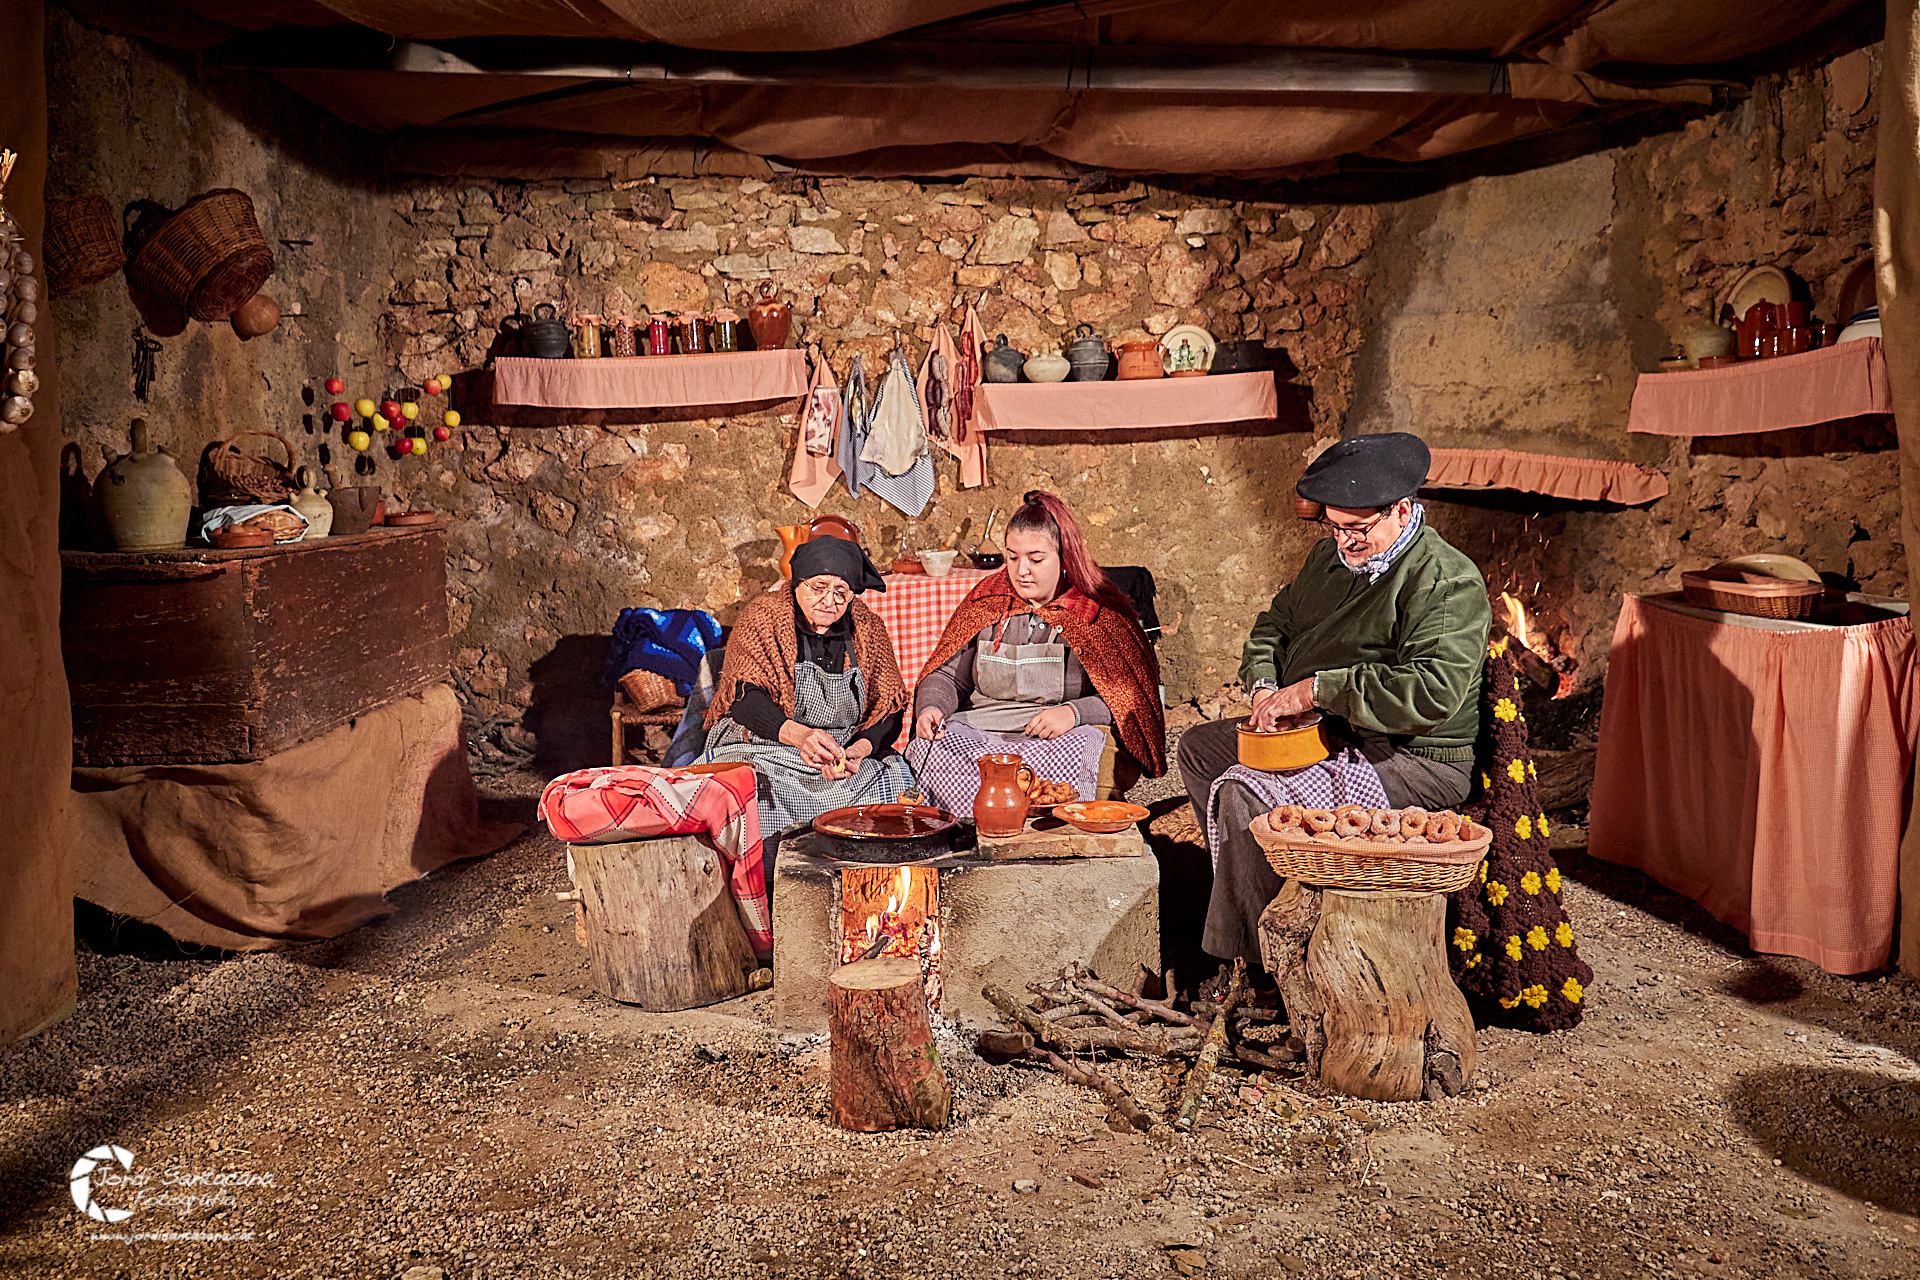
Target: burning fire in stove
pixel 1540 657
pixel 907 926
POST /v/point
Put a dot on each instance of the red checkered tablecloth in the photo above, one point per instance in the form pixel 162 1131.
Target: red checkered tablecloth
pixel 915 608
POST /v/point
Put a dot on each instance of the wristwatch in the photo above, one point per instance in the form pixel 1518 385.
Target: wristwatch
pixel 1260 684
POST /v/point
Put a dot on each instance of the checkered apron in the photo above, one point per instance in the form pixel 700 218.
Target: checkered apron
pixel 793 792
pixel 1345 777
pixel 949 769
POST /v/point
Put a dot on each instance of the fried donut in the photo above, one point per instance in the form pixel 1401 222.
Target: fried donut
pixel 1286 815
pixel 1318 821
pixel 1444 829
pixel 1349 808
pixel 1471 830
pixel 1413 823
pixel 1386 822
pixel 1352 823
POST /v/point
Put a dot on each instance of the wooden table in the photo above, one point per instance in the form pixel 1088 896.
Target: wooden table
pixel 207 657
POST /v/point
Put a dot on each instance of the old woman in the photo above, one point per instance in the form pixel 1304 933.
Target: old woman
pixel 809 693
pixel 1044 659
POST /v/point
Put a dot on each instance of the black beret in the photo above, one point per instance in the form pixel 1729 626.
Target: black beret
pixel 1367 471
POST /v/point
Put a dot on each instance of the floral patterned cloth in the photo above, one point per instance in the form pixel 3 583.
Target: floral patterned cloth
pixel 1510 941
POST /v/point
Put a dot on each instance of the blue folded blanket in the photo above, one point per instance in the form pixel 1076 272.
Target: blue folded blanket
pixel 667 642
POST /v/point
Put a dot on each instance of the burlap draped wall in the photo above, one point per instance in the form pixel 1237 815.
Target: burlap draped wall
pixel 1896 243
pixel 36 891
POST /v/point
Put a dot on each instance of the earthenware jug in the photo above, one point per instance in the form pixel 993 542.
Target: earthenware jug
pixel 1088 355
pixel 1047 365
pixel 311 502
pixel 144 497
pixel 1000 806
pixel 791 536
pixel 769 320
pixel 354 510
pixel 1002 362
pixel 1707 341
pixel 1753 332
pixel 546 335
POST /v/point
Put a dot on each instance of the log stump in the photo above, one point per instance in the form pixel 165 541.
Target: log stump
pixel 886 1070
pixel 660 924
pixel 1365 979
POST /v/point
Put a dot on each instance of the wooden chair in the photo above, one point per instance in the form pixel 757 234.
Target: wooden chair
pixel 644 700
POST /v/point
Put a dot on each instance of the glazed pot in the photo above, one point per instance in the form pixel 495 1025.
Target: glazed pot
pixel 144 497
pixel 1001 362
pixel 311 502
pixel 1141 360
pixel 1290 748
pixel 1000 806
pixel 1707 341
pixel 791 536
pixel 1047 365
pixel 545 335
pixel 769 320
pixel 1245 357
pixel 1088 355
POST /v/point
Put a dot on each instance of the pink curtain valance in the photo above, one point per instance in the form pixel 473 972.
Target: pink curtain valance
pixel 1579 479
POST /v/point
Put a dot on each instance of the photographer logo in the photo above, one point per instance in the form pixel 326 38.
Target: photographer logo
pixel 81 1181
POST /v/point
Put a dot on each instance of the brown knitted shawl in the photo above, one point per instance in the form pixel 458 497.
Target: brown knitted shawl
pixel 764 649
pixel 1111 647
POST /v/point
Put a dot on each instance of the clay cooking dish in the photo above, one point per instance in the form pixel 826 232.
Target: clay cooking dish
pixel 1100 816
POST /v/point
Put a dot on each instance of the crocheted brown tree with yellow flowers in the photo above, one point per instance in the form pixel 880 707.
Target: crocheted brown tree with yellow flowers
pixel 1511 944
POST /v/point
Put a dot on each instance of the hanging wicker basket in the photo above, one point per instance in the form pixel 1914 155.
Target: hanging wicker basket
pixel 207 259
pixel 229 477
pixel 82 244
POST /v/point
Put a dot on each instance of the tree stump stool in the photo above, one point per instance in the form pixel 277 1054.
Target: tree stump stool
pixel 659 923
pixel 886 1071
pixel 1365 979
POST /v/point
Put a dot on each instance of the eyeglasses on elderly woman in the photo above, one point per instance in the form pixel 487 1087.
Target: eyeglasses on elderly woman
pixel 825 590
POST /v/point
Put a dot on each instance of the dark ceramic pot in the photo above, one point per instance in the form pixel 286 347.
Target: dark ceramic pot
pixel 545 335
pixel 1002 363
pixel 1245 357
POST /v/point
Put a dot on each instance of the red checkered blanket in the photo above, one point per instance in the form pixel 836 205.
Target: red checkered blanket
pixel 635 802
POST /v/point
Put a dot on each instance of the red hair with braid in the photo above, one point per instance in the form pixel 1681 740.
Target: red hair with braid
pixel 1043 513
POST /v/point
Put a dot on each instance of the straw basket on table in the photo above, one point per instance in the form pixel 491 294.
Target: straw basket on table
pixel 207 259
pixel 82 246
pixel 229 477
pixel 1370 864
pixel 1753 594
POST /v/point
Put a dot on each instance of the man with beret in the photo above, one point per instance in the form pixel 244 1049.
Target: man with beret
pixel 1384 633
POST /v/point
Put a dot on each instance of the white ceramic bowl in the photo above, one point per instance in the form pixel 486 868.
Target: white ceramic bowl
pixel 1859 329
pixel 938 564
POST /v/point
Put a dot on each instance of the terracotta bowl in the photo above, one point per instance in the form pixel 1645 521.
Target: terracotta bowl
pixel 413 517
pixel 1100 816
pixel 1293 748
pixel 235 539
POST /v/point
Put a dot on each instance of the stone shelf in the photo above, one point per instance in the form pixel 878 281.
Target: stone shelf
pixel 1833 383
pixel 650 382
pixel 1141 402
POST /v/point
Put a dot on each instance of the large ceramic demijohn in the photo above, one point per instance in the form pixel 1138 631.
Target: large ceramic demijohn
pixel 144 498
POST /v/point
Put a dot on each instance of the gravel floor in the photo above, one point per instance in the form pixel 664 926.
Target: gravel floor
pixel 442 1095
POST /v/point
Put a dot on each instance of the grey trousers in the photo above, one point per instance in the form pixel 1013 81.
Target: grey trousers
pixel 1243 883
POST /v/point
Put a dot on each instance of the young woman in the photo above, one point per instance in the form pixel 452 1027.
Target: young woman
pixel 1041 660
pixel 810 694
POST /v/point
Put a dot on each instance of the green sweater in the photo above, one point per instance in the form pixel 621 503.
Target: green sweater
pixel 1401 657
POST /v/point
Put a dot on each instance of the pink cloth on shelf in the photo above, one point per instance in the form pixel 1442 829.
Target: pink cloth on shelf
pixel 641 382
pixel 1581 479
pixel 1140 402
pixel 1764 395
pixel 1762 773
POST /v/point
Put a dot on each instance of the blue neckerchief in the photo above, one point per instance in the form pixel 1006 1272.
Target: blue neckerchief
pixel 1379 564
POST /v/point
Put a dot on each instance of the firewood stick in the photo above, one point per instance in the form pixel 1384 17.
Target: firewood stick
pixel 1141 1003
pixel 1267 1061
pixel 1003 1044
pixel 1015 1012
pixel 1065 1011
pixel 1102 1008
pixel 1205 1009
pixel 1196 1088
pixel 1134 1040
pixel 1112 1090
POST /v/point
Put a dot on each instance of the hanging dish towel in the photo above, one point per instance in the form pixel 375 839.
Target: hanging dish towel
pixel 853 429
pixel 912 488
pixel 814 467
pixel 896 434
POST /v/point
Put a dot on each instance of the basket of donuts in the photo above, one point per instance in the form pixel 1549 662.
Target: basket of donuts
pixel 1353 847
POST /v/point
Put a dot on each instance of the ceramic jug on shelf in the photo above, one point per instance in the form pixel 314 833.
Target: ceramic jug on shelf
pixel 1002 362
pixel 1000 806
pixel 311 502
pixel 144 497
pixel 769 320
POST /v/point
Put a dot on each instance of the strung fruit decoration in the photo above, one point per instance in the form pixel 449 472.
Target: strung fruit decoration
pixel 341 409
pixel 451 417
pixel 389 409
pixel 359 440
pixel 443 433
pixel 410 411
pixel 335 386
pixel 403 446
pixel 364 407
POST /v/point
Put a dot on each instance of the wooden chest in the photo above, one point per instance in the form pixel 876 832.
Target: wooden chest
pixel 206 656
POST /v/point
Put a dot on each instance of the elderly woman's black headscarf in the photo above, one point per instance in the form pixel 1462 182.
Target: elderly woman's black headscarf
pixel 844 560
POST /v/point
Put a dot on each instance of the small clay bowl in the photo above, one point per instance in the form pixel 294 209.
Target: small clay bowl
pixel 1100 816
pixel 908 566
pixel 413 517
pixel 235 539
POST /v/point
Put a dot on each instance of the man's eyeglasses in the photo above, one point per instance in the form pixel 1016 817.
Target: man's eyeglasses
pixel 1352 532
pixel 824 592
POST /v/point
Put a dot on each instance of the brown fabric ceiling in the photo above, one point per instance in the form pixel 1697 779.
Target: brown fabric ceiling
pixel 1566 59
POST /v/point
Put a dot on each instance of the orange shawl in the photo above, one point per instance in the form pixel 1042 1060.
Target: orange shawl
pixel 763 648
pixel 1111 647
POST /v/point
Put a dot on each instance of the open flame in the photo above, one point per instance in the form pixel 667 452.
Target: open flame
pixel 1561 674
pixel 908 926
pixel 1517 620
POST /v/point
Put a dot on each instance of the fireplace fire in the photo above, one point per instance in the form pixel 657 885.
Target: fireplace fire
pixel 1548 664
pixel 907 925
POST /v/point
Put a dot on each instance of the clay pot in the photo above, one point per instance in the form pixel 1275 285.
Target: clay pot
pixel 791 536
pixel 353 509
pixel 769 320
pixel 311 502
pixel 257 315
pixel 546 336
pixel 1000 806
pixel 1142 360
pixel 1088 355
pixel 1307 508
pixel 144 497
pixel 1001 363
pixel 1047 365
pixel 1707 341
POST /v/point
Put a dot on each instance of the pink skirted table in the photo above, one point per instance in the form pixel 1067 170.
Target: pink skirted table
pixel 1760 768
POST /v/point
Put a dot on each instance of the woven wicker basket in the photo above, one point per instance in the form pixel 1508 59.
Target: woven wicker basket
pixel 1371 864
pixel 228 476
pixel 647 690
pixel 1753 595
pixel 82 246
pixel 208 258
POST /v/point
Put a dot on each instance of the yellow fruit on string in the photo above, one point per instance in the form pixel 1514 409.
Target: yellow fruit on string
pixel 359 440
pixel 365 407
pixel 409 410
pixel 451 417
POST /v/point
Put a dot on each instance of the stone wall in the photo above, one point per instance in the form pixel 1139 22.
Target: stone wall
pixel 1516 312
